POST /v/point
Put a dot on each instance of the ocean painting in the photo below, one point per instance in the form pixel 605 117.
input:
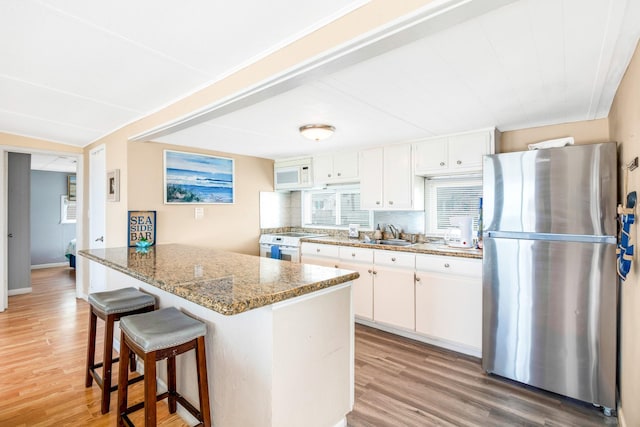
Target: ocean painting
pixel 197 178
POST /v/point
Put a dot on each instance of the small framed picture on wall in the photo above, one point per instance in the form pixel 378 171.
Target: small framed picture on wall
pixel 71 187
pixel 113 185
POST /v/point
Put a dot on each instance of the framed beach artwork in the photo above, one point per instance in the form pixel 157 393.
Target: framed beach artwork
pixel 197 178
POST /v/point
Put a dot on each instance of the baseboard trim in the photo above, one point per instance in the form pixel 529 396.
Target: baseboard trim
pixel 50 265
pixel 459 348
pixel 621 421
pixel 20 291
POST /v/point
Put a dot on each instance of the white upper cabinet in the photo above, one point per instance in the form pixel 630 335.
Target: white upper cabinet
pixel 387 181
pixel 460 153
pixel 335 168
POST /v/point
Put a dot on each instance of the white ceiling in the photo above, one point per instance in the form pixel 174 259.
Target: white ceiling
pixel 53 163
pixel 72 71
pixel 527 64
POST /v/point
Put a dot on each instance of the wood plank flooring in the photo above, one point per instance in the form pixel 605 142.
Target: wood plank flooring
pixel 43 340
pixel 399 382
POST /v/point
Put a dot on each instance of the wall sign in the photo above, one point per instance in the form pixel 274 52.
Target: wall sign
pixel 142 227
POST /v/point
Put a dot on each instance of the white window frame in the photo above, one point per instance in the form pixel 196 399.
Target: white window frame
pixel 432 206
pixel 306 208
pixel 64 210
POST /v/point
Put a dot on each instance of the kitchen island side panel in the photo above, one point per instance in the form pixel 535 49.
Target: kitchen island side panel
pixel 247 351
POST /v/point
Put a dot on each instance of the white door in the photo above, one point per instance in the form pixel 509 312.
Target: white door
pixel 97 197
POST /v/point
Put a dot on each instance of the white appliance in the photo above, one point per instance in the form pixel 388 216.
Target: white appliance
pixel 292 174
pixel 465 225
pixel 284 246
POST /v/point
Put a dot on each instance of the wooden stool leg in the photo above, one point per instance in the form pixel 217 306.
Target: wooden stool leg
pixel 203 384
pixel 107 363
pixel 132 362
pixel 171 380
pixel 150 396
pixel 91 347
pixel 122 382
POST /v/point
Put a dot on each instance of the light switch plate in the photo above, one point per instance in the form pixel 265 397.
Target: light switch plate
pixel 199 213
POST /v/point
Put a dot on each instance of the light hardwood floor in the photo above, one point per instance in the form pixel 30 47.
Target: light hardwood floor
pixel 399 382
pixel 43 340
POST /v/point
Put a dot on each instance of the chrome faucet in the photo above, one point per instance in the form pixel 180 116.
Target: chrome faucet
pixel 394 231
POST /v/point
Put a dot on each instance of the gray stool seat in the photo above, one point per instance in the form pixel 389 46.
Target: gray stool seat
pixel 162 335
pixel 120 300
pixel 162 329
pixel 111 307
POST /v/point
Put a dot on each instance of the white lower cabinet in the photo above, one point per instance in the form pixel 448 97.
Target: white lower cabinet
pixel 360 260
pixel 393 289
pixel 449 299
pixel 318 254
pixel 432 298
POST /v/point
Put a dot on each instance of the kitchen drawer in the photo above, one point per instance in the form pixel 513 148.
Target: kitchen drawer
pixel 319 250
pixel 449 265
pixel 356 254
pixel 395 259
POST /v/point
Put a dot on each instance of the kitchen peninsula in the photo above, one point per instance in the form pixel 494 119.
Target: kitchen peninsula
pixel 279 334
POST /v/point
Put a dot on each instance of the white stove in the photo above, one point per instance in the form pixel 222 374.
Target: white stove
pixel 284 246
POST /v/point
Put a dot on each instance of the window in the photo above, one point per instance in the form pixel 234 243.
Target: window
pixel 452 197
pixel 336 207
pixel 67 210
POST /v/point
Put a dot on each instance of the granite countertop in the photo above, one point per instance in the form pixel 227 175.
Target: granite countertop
pixel 226 282
pixel 419 248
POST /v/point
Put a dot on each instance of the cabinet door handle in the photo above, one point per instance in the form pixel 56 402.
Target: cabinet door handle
pixel 375 272
pixel 353 254
pixel 328 175
pixel 317 249
pixel 369 271
pixel 377 202
pixel 441 163
pixel 390 202
pixel 336 266
pixel 446 265
pixel 393 259
pixel 339 174
pixel 416 278
pixel 459 162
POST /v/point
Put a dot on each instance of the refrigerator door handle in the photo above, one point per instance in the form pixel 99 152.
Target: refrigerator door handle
pixel 551 236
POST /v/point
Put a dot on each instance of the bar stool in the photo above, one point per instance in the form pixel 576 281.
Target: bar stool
pixel 111 306
pixel 162 334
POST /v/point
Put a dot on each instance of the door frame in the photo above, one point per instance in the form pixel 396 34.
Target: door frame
pixel 4 150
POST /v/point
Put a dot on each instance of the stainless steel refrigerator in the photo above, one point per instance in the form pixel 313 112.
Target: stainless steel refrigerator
pixel 549 270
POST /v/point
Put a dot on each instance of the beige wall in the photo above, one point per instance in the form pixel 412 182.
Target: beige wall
pixel 624 123
pixel 231 227
pixel 585 132
pixel 9 140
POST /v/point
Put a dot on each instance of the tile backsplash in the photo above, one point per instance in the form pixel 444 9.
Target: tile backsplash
pixel 284 210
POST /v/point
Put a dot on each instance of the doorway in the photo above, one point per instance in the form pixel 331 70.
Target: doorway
pixel 4 214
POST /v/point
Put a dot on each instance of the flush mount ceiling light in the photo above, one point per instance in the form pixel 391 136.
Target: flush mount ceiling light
pixel 317 132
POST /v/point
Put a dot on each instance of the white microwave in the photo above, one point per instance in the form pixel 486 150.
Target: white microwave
pixel 292 174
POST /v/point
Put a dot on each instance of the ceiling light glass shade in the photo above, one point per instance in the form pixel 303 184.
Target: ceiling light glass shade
pixel 317 132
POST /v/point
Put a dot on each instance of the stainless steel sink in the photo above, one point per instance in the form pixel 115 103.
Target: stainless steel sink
pixel 390 242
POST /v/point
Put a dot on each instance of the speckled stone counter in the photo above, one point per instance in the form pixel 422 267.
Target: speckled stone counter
pixel 226 282
pixel 269 324
pixel 420 248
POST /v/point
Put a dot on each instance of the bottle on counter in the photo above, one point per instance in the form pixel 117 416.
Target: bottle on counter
pixel 377 235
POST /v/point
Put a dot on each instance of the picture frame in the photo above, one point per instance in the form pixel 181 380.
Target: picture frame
pixel 141 224
pixel 113 185
pixel 192 178
pixel 71 187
